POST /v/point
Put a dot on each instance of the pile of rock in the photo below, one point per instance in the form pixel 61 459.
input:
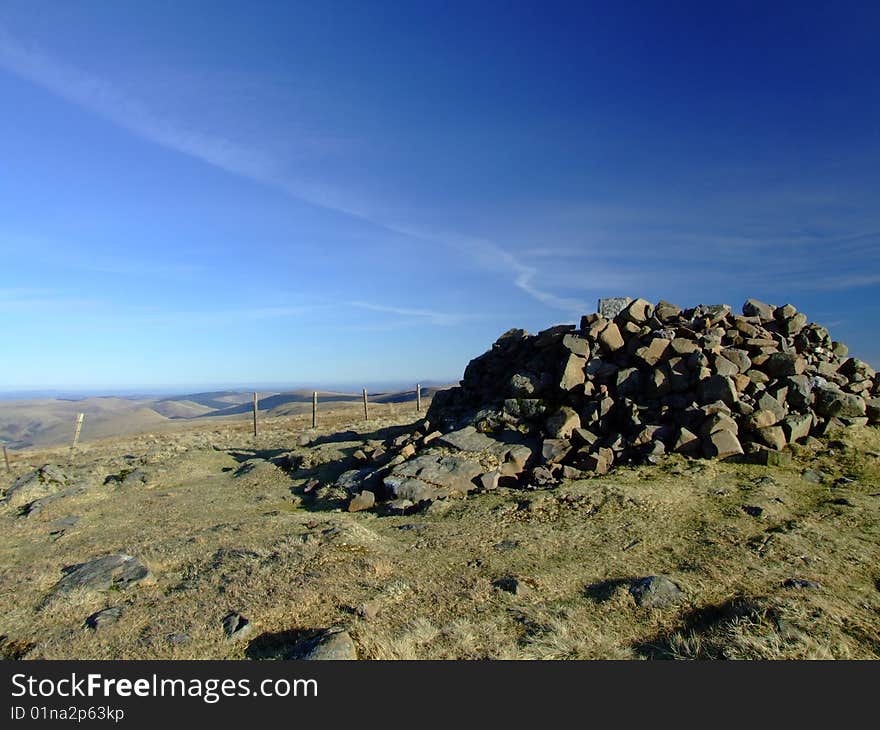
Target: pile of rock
pixel 629 385
pixel 656 378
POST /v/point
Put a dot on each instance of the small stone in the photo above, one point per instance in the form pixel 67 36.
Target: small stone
pixel 802 584
pixel 333 644
pixel 656 591
pixel 236 626
pixel 813 476
pixel 489 480
pixel 104 618
pixel 768 457
pixel 364 500
pixel 369 610
pixel 512 585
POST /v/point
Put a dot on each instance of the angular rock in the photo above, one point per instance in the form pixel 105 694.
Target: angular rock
pixel 718 387
pixel 762 418
pixel 755 308
pixel 610 338
pixel 561 424
pixel 489 480
pixel 362 501
pixel 573 374
pixel 797 426
pixel 780 364
pixel 666 312
pixel 831 401
pixel 638 312
pixel 686 442
pixel 653 352
pixel 722 444
pixel 629 382
pixel 555 450
pixel 773 436
pixel 576 345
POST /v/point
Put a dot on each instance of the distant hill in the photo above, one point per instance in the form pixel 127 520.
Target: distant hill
pixel 41 422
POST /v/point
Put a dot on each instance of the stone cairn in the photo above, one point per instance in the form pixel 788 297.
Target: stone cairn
pixel 633 382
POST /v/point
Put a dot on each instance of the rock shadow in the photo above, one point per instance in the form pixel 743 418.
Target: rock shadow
pixel 605 590
pixel 703 622
pixel 282 645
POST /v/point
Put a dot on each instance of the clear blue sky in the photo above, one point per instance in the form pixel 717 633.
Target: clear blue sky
pixel 201 193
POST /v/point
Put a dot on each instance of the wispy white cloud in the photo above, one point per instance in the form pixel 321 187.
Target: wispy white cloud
pixel 100 97
pixel 432 316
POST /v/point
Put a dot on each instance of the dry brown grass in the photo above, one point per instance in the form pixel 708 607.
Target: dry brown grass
pixel 218 539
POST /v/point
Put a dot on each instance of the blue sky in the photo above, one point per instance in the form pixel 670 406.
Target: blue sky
pixel 197 194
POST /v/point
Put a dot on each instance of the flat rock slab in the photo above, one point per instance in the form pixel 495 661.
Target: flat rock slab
pixel 468 439
pixel 42 482
pixel 656 591
pixel 432 476
pixel 101 574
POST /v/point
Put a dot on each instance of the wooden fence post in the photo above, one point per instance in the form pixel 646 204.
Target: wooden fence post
pixel 366 416
pixel 419 397
pixel 256 405
pixel 77 429
pixel 6 458
pixel 314 409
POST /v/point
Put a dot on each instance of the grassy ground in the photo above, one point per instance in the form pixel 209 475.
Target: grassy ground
pixel 223 532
